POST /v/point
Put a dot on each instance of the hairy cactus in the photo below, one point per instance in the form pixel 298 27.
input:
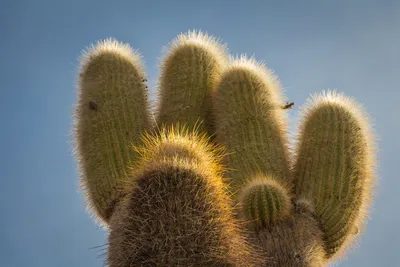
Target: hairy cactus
pixel 214 182
pixel 189 73
pixel 265 201
pixel 177 212
pixel 336 179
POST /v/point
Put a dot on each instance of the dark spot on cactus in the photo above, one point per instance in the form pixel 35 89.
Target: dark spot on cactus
pixel 93 105
pixel 297 256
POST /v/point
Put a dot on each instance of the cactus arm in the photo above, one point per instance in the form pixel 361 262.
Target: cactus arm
pixel 334 167
pixel 264 201
pixel 189 72
pixel 250 123
pixel 112 111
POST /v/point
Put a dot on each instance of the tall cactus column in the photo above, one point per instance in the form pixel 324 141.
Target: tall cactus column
pixel 111 114
pixel 178 212
pixel 335 164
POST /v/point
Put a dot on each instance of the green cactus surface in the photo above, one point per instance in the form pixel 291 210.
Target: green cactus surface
pixel 250 122
pixel 214 180
pixel 334 159
pixel 265 201
pixel 338 177
pixel 189 73
pixel 112 112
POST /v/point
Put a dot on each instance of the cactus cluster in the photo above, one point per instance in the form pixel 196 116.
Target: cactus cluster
pixel 212 181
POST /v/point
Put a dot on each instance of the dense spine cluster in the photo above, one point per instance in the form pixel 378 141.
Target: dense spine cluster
pixel 250 123
pixel 213 182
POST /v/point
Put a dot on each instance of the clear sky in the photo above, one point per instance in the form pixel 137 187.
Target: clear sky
pixel 353 46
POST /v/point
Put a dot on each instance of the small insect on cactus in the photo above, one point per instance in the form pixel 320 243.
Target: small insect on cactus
pixel 163 189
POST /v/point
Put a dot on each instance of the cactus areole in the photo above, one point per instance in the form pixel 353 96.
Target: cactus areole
pixel 209 179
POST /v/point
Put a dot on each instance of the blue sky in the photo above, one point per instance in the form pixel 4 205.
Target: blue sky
pixel 353 46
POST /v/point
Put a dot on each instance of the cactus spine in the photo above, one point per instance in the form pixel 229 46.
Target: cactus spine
pixel 112 112
pixel 164 194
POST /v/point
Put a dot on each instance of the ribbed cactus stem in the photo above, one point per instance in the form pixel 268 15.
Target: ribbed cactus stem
pixel 112 111
pixel 264 202
pixel 177 212
pixel 250 123
pixel 189 72
pixel 334 168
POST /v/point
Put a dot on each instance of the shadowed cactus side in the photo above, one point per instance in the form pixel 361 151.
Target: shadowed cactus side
pixel 214 183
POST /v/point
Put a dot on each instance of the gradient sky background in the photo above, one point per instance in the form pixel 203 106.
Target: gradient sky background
pixel 353 46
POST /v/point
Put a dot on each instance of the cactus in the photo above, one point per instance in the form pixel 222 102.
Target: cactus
pixel 339 185
pixel 332 173
pixel 214 182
